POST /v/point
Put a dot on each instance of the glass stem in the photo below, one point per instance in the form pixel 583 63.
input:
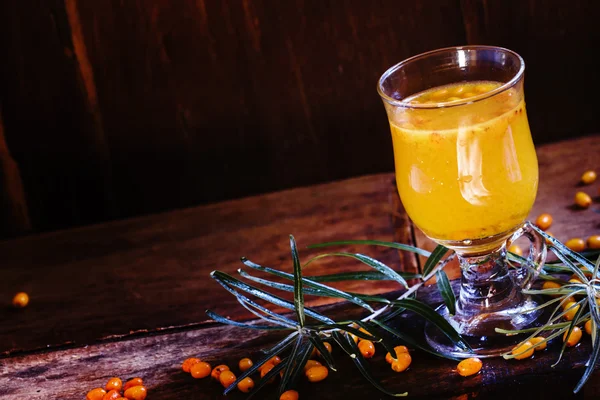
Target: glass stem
pixel 486 284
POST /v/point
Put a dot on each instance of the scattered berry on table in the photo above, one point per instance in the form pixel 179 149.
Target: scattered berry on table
pixel 526 348
pixel 469 366
pixel 20 300
pixel 582 199
pixel 317 374
pixel 187 364
pixel 574 337
pixel 544 221
pixel 588 177
pixel 200 370
pixel 289 395
pixel 367 348
pixel 245 364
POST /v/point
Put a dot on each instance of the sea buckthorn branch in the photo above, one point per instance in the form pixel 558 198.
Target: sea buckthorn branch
pixel 311 328
pixel 585 281
pixel 308 335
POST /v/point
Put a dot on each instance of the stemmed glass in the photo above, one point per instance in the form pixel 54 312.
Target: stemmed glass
pixel 467 175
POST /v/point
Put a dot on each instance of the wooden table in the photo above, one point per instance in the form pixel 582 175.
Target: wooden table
pixel 128 298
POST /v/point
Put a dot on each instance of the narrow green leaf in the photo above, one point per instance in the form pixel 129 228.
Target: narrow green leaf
pixel 265 380
pixel 340 339
pixel 398 246
pixel 228 321
pixel 432 316
pixel 221 278
pixel 360 276
pixel 317 289
pixel 292 366
pixel 227 280
pixel 410 341
pixel 438 253
pixel 591 364
pixel 304 356
pixel 363 367
pixel 571 326
pixel 443 284
pixel 318 343
pixel 273 351
pixel 564 249
pixel 298 294
pixel 373 263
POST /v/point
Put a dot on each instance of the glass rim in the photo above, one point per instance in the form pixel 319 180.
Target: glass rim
pixel 400 103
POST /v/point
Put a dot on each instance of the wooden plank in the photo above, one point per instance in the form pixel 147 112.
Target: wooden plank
pixel 153 272
pixel 561 165
pixel 207 100
pixel 14 215
pixel 48 123
pixel 157 358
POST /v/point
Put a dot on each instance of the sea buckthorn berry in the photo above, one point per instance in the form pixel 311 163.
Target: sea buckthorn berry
pixel 402 362
pixel 317 374
pixel 136 393
pixel 574 280
pixel 544 221
pixel 187 364
pixel 551 285
pixel 398 350
pixel 571 309
pixel 538 343
pixel 265 369
pixel 311 363
pixel 574 337
pixel 133 382
pixel 200 370
pixel 469 366
pixel 575 244
pixel 227 378
pixel 20 300
pixel 275 360
pixel 582 199
pixel 549 234
pixel 588 177
pixel 367 348
pixel 245 385
pixel 245 364
pixel 114 384
pixel 112 395
pixel 593 242
pixel 289 395
pixel 588 327
pixel 216 371
pixel 95 394
pixel 525 347
pixel 516 249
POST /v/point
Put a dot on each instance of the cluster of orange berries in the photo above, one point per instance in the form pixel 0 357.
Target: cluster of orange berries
pixel 133 389
pixel 314 371
pixel 544 221
pixel 467 367
pixel 582 200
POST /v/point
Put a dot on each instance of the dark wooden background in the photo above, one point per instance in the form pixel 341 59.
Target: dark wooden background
pixel 116 108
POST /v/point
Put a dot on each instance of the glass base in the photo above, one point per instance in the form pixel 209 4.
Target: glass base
pixel 479 330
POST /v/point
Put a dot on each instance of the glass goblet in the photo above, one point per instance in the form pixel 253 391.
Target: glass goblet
pixel 467 176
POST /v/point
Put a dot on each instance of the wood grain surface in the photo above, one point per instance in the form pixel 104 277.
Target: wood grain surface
pixel 128 298
pixel 153 272
pixel 69 374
